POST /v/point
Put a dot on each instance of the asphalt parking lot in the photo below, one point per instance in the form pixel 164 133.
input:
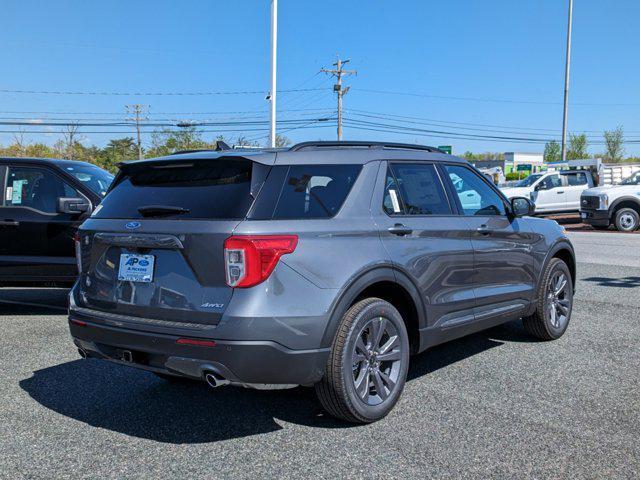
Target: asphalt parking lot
pixel 496 404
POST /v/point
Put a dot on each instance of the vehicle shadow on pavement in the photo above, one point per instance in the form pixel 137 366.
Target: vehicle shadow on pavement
pixel 626 282
pixel 33 301
pixel 139 404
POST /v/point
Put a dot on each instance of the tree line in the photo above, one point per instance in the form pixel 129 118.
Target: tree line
pixel 166 141
pixel 163 142
pixel 577 148
pixel 578 145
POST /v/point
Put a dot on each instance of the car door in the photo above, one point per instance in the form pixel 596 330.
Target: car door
pixel 503 274
pixel 549 194
pixel 426 239
pixel 36 240
pixel 574 184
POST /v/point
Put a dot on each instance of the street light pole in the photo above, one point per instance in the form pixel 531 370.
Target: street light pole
pixel 272 94
pixel 566 85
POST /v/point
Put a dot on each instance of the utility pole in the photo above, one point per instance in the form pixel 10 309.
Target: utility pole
pixel 566 85
pixel 135 111
pixel 339 72
pixel 272 93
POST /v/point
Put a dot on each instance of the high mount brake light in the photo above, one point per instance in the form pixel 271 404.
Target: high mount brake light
pixel 250 259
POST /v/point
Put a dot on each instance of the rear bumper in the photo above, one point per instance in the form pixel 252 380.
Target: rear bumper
pixel 253 363
pixel 598 218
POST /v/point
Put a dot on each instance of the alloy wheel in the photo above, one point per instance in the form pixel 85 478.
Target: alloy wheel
pixel 377 358
pixel 558 300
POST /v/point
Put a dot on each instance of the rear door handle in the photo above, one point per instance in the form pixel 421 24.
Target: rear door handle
pixel 560 191
pixel 483 230
pixel 400 230
pixel 9 223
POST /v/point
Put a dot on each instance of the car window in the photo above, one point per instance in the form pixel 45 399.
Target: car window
pixel 552 181
pixel 94 178
pixel 576 179
pixel 530 180
pixel 36 188
pixel 632 180
pixel 475 195
pixel 414 189
pixel 206 189
pixel 315 191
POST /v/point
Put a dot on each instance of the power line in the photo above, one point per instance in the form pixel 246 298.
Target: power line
pixel 444 124
pixel 389 128
pixel 491 100
pixel 147 94
pixel 225 130
pixel 159 113
pixel 390 116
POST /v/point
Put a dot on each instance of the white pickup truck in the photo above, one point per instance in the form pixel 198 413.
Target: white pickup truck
pixel 552 192
pixel 614 204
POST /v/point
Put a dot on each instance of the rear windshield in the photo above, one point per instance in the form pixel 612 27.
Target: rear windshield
pixel 217 189
pixel 305 191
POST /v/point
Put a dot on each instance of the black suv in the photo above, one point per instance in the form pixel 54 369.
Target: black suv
pixel 324 265
pixel 43 202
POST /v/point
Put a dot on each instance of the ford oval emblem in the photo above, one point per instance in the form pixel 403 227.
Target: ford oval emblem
pixel 132 225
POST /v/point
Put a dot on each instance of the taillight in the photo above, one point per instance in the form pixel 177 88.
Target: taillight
pixel 76 241
pixel 250 259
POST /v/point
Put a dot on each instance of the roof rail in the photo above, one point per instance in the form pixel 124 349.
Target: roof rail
pixel 339 144
pixel 220 146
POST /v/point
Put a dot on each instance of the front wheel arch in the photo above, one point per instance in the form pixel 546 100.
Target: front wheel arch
pixel 564 251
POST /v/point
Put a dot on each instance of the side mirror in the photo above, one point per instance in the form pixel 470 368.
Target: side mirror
pixel 540 186
pixel 522 206
pixel 72 205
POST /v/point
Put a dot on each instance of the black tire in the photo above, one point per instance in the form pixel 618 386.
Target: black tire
pixel 337 391
pixel 542 324
pixel 627 220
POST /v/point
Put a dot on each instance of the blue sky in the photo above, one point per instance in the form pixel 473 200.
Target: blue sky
pixel 503 61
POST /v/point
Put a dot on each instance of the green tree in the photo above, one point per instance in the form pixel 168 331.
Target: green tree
pixel 478 157
pixel 166 141
pixel 552 151
pixel 578 145
pixel 614 143
pixel 116 151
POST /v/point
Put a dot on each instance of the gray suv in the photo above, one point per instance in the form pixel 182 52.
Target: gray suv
pixel 327 264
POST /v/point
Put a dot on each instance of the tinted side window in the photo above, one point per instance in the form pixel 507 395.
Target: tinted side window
pixel 315 191
pixel 420 190
pixel 36 188
pixel 475 195
pixel 576 179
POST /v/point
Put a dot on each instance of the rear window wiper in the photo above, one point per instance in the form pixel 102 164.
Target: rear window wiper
pixel 159 210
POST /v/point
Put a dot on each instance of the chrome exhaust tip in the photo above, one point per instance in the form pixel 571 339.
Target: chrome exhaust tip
pixel 82 352
pixel 214 380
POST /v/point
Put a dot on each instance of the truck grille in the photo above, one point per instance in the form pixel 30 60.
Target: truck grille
pixel 589 202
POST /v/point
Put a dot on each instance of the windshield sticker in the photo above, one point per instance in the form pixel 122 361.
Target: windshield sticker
pixel 16 194
pixel 8 194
